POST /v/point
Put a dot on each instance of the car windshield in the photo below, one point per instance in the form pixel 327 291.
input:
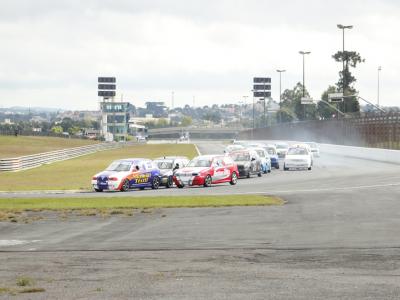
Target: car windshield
pixel 200 163
pixel 240 156
pixel 120 166
pixel 164 164
pixel 233 148
pixel 297 151
pixel 271 151
pixel 312 145
pixel 260 153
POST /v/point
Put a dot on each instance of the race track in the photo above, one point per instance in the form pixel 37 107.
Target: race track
pixel 338 230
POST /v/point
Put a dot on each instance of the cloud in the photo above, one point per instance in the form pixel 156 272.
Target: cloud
pixel 211 49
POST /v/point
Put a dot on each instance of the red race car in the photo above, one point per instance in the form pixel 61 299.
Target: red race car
pixel 206 170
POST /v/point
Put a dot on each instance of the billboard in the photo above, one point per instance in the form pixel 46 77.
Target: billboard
pixel 262 94
pixel 106 94
pixel 106 79
pixel 262 80
pixel 107 86
pixel 335 97
pixel 262 87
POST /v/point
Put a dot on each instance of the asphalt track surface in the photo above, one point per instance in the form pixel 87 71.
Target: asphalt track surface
pixel 336 237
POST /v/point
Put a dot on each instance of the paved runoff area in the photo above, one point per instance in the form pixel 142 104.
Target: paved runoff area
pixel 337 237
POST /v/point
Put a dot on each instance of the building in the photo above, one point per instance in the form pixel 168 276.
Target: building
pixel 114 120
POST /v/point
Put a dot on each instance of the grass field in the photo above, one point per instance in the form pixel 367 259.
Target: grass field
pixel 21 204
pixel 11 146
pixel 76 173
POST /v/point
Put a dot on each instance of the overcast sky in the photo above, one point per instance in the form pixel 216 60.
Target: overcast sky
pixel 52 51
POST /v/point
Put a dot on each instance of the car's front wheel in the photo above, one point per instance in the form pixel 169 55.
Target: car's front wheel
pixel 207 181
pixel 233 179
pixel 155 183
pixel 125 186
pixel 98 190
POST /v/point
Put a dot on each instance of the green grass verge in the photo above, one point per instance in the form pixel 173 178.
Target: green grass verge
pixel 75 174
pixel 11 146
pixel 20 204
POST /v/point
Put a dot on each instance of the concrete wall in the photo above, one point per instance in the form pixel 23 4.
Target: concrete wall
pixel 376 154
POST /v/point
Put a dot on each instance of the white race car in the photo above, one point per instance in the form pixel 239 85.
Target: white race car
pixel 232 148
pixel 314 148
pixel 298 158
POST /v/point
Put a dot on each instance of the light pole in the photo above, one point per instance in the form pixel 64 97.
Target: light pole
pixel 304 53
pixel 280 92
pixel 252 131
pixel 379 71
pixel 343 28
pixel 244 102
pixel 240 112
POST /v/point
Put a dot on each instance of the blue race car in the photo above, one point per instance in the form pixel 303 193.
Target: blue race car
pixel 126 174
pixel 271 149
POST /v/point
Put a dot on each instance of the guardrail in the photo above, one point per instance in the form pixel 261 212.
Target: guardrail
pixel 36 160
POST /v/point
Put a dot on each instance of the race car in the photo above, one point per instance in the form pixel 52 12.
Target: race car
pixel 168 165
pixel 231 148
pixel 281 149
pixel 248 162
pixel 314 148
pixel 271 149
pixel 206 170
pixel 265 159
pixel 298 157
pixel 125 174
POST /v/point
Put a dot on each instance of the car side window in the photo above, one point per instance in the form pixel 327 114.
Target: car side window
pixel 227 161
pixel 149 165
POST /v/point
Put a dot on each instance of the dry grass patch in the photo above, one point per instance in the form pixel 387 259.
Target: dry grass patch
pixel 11 146
pixel 76 174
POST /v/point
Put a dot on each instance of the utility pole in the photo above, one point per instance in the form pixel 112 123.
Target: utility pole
pixel 379 71
pixel 343 28
pixel 303 53
pixel 265 98
pixel 280 93
pixel 252 131
pixel 245 104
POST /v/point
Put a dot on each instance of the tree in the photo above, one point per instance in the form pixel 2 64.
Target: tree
pixel 283 116
pixel 346 79
pixel 162 122
pixel 214 117
pixel 324 110
pixel 291 102
pixel 186 121
pixel 57 129
pixel 66 124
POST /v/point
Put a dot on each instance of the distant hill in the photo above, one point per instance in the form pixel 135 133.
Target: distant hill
pixel 23 109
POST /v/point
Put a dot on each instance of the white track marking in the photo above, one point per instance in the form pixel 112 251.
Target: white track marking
pixel 5 243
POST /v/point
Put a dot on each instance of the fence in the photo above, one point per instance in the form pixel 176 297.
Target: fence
pixel 35 160
pixel 382 131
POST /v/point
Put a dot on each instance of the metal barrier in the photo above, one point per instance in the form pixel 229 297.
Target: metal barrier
pixel 379 131
pixel 35 160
